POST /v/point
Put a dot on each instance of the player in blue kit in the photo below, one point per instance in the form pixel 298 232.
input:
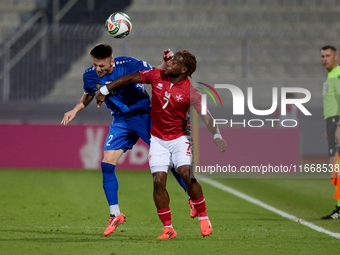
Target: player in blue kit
pixel 130 108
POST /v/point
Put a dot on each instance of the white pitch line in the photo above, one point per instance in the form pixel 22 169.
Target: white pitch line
pixel 268 207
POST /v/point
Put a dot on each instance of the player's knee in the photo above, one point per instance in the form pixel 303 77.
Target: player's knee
pixel 158 183
pixel 157 187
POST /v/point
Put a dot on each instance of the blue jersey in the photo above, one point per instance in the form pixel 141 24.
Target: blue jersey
pixel 123 102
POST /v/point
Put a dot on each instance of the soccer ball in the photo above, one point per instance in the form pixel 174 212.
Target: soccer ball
pixel 118 25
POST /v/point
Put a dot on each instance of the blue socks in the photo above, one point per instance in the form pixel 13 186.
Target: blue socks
pixel 110 183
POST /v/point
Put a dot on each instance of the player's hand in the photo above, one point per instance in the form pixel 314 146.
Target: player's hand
pixel 100 98
pixel 221 143
pixel 68 116
pixel 167 55
pixel 337 135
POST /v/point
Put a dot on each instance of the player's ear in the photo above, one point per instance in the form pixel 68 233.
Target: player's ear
pixel 184 70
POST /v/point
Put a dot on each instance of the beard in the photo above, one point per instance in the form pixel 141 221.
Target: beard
pixel 170 74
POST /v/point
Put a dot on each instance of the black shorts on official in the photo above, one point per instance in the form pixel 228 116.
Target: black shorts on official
pixel 331 126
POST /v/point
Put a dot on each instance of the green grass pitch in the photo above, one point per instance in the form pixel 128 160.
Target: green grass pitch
pixel 65 212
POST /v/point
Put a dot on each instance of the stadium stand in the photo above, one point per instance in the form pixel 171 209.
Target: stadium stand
pixel 54 54
pixel 254 43
pixel 12 12
pixel 231 39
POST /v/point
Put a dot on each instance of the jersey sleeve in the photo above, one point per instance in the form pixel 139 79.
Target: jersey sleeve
pixel 195 98
pixel 147 76
pixel 136 65
pixel 89 84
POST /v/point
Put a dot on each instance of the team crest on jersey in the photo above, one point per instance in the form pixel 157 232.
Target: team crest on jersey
pixel 98 86
pixel 179 98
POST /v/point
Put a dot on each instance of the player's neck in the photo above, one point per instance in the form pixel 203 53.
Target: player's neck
pixel 178 79
pixel 332 68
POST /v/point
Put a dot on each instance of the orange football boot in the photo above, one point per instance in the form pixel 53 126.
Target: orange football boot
pixel 206 228
pixel 168 233
pixel 113 223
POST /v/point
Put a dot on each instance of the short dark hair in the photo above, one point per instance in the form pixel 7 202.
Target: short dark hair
pixel 101 51
pixel 189 61
pixel 329 47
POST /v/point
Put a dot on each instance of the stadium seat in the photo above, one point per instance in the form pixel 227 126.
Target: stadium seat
pixel 231 39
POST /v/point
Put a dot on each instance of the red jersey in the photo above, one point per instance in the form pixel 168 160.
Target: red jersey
pixel 170 104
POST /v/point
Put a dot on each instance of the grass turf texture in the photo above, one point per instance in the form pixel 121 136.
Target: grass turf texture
pixel 65 212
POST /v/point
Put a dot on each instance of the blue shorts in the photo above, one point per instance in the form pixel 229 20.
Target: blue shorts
pixel 125 132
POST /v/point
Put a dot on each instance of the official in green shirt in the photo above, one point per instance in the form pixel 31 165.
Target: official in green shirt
pixel 331 111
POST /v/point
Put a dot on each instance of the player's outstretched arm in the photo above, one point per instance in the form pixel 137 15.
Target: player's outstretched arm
pixel 120 82
pixel 214 130
pixel 167 55
pixel 83 102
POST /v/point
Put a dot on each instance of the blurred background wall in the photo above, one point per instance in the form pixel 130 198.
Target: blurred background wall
pixel 44 47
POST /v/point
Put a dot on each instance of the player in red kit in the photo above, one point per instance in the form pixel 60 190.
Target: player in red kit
pixel 172 97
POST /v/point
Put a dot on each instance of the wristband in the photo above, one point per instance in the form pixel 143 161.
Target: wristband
pixel 217 136
pixel 104 90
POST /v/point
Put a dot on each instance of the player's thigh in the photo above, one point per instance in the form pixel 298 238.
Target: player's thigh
pixel 184 172
pixel 181 151
pixel 120 136
pixel 331 126
pixel 141 124
pixel 112 156
pixel 159 156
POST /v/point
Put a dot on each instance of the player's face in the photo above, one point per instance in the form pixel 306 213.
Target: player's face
pixel 103 66
pixel 175 66
pixel 329 59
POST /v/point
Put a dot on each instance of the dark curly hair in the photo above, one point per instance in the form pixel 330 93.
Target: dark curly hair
pixel 101 51
pixel 189 61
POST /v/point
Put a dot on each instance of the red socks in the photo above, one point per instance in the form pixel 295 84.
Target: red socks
pixel 165 216
pixel 200 206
